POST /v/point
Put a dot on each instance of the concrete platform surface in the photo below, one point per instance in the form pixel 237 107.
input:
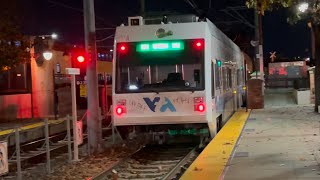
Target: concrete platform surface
pixel 279 97
pixel 278 143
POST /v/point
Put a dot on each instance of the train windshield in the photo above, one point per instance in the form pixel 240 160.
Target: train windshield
pixel 160 66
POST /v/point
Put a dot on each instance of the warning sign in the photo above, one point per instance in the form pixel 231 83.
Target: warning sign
pixel 3 158
pixel 79 133
pixel 83 90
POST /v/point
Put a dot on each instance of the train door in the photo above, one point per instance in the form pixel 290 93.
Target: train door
pixel 216 93
pixel 239 87
pixel 213 93
pixel 234 88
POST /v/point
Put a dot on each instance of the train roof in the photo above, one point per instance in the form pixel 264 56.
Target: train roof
pixel 170 27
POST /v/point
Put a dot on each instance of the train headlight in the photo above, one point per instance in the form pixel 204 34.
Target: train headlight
pixel 198 44
pixel 123 48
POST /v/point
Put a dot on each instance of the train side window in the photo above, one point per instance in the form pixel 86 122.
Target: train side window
pixel 212 80
pixel 217 76
pixel 224 78
pixel 229 78
pixel 239 77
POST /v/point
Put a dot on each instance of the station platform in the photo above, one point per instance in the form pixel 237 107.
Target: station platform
pixel 33 129
pixel 277 142
pixel 29 130
pixel 7 128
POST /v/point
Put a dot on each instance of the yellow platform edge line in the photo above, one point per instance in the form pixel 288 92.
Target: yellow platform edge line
pixel 31 126
pixel 210 164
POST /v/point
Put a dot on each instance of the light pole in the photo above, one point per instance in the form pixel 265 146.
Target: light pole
pixel 315 38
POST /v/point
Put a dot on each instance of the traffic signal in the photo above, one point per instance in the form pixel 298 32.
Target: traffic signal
pixel 79 59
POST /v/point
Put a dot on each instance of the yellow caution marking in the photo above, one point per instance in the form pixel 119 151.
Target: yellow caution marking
pixel 211 163
pixel 5 132
pixel 31 126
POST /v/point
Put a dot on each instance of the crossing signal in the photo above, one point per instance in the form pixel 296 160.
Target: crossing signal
pixel 79 59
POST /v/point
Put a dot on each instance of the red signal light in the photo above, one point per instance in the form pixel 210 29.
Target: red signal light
pixel 201 107
pixel 119 110
pixel 122 48
pixel 80 59
pixel 198 44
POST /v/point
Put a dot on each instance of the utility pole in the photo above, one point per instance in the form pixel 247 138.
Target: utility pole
pixel 313 56
pixel 256 58
pixel 259 38
pixel 93 121
pixel 316 31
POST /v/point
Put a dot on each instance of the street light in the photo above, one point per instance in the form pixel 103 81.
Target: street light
pixel 47 55
pixel 54 36
pixel 303 7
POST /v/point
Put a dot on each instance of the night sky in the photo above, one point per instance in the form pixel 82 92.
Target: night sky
pixel 64 17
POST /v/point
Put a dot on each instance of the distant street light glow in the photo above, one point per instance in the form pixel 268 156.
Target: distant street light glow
pixel 54 36
pixel 47 55
pixel 303 7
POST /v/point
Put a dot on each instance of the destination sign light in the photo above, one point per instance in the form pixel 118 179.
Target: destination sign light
pixel 160 46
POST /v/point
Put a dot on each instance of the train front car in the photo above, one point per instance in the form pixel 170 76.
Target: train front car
pixel 163 79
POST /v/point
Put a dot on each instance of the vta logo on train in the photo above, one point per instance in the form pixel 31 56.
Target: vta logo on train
pixel 164 107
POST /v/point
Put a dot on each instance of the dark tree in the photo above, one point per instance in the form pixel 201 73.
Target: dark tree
pixel 14 46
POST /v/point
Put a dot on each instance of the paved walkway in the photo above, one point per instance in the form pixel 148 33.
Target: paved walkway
pixel 279 97
pixel 278 143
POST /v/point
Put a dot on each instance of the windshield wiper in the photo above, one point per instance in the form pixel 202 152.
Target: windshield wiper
pixel 148 88
pixel 154 90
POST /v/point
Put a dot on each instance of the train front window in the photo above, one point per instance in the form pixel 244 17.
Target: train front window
pixel 160 71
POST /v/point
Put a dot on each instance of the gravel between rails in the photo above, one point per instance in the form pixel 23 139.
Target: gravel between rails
pixel 152 163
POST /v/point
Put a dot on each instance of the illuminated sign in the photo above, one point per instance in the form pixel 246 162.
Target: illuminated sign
pixel 219 63
pixel 160 46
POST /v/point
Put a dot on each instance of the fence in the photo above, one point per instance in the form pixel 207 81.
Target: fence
pixel 296 83
pixel 45 146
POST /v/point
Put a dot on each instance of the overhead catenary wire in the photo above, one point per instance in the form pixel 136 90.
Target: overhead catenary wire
pixel 78 10
pixel 193 5
pixel 106 38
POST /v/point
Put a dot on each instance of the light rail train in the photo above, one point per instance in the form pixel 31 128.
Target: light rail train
pixel 176 78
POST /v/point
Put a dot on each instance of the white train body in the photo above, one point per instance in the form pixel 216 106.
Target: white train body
pixel 198 90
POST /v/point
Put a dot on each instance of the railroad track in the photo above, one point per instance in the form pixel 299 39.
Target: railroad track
pixel 152 163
